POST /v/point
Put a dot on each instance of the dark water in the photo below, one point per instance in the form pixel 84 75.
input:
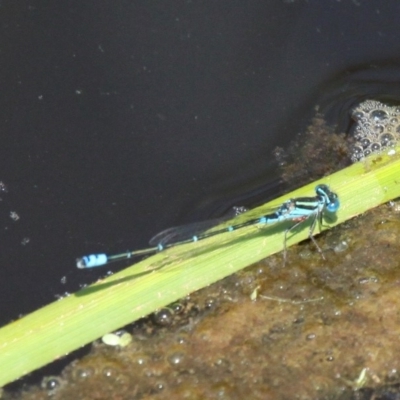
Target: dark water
pixel 120 119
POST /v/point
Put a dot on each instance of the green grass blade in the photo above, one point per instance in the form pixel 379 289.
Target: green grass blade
pixel 61 327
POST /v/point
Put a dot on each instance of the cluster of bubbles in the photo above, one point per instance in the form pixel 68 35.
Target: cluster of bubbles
pixel 378 128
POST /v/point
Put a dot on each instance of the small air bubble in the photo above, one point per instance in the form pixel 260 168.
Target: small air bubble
pixel 83 373
pixel 176 358
pixel 375 147
pixel 365 142
pixel 108 371
pixel 379 128
pixel 159 386
pixel 379 115
pixel 358 114
pixel 357 153
pixel 386 139
pixel 51 383
pixel 163 317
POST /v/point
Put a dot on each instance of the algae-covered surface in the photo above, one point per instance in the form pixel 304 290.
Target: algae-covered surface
pixel 313 329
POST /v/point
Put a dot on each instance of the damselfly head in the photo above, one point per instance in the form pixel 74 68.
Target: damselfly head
pixel 331 199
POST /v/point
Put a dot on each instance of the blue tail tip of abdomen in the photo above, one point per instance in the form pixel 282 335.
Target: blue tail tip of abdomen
pixel 91 261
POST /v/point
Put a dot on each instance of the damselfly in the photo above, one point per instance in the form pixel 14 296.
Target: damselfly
pixel 297 210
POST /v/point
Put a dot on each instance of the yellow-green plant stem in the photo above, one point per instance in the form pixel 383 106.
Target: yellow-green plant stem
pixel 61 327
